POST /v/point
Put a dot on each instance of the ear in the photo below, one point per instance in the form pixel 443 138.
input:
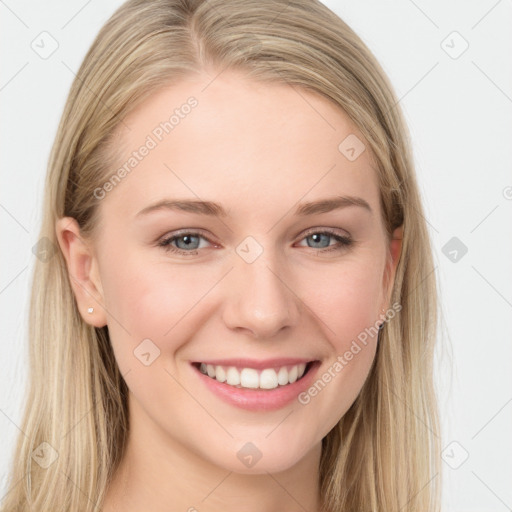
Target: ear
pixel 395 250
pixel 83 271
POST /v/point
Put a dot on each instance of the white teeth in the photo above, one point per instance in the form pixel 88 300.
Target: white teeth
pixel 220 374
pixel 268 379
pixel 250 378
pixel 292 375
pixel 282 376
pixel 233 376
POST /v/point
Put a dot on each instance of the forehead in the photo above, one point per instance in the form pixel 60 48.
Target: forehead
pixel 227 137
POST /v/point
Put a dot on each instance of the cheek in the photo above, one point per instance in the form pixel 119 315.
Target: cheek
pixel 153 300
pixel 346 298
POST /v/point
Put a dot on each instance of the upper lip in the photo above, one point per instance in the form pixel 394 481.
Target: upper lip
pixel 255 363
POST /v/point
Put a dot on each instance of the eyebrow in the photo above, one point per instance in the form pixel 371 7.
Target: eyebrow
pixel 216 210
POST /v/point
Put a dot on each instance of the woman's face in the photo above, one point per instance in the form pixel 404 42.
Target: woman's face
pixel 254 282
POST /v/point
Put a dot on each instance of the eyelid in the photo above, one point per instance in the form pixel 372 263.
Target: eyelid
pixel 333 231
pixel 186 231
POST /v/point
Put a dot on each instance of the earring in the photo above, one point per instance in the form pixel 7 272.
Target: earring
pixel 90 310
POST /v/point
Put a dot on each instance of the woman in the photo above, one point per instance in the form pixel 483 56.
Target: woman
pixel 240 309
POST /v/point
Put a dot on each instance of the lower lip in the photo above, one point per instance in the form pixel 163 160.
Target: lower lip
pixel 257 399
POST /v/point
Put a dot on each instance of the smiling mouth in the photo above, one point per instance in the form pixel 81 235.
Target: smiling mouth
pixel 251 378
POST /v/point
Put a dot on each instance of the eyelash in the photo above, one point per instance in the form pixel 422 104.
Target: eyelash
pixel 343 242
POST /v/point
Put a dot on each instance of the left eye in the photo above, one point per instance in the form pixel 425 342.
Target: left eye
pixel 189 242
pixel 318 236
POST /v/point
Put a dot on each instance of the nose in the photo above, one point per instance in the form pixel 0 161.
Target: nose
pixel 260 299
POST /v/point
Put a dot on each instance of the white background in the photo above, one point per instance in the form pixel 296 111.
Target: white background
pixel 459 111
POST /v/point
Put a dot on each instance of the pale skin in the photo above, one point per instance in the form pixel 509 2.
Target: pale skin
pixel 258 150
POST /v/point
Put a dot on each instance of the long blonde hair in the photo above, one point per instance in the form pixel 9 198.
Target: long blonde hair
pixel 383 455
